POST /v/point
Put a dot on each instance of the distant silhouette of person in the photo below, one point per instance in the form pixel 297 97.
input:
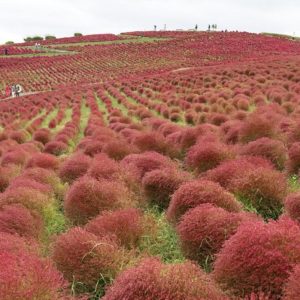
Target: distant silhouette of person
pixel 196 27
pixel 5 51
pixel 208 27
pixel 155 27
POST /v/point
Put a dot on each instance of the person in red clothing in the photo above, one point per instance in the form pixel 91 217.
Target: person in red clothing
pixel 8 91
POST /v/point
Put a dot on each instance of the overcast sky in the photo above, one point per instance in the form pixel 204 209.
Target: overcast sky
pixel 20 18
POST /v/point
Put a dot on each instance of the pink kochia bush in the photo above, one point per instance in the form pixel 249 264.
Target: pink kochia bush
pixel 293 162
pixel 16 219
pixel 292 206
pixel 258 258
pixel 140 164
pixel 273 150
pixel 262 189
pixel 127 225
pixel 207 155
pixel 43 160
pixel 88 197
pixel 83 257
pixel 74 167
pixel 160 184
pixel 103 167
pixel 228 171
pixel 25 276
pixel 203 230
pixel 292 287
pixel 153 280
pixel 196 192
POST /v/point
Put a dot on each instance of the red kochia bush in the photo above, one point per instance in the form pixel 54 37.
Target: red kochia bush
pixel 207 155
pixel 140 164
pixel 152 280
pixel 257 126
pixel 83 257
pixel 43 160
pixel 42 135
pixel 160 184
pixel 6 175
pixel 259 258
pixel 22 181
pixel 273 150
pixel 25 277
pixel 56 147
pixel 127 225
pixel 16 219
pixel 74 167
pixel 153 141
pixel 196 192
pixel 226 172
pixel 29 198
pixel 118 149
pixel 263 189
pixel 16 157
pixel 13 243
pixel 103 167
pixel 292 288
pixel 292 206
pixel 293 163
pixel 203 230
pixel 88 197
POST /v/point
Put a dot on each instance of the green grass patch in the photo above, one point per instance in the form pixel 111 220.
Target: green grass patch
pixel 102 108
pixel 49 117
pixel 164 243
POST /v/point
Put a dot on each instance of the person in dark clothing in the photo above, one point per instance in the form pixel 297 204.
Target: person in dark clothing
pixel 196 27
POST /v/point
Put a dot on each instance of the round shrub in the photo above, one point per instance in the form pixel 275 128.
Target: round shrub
pixel 160 184
pixel 56 148
pixel 6 175
pixel 225 173
pixel 103 167
pixel 74 167
pixel 29 198
pixel 83 257
pixel 196 192
pixel 258 258
pixel 261 189
pixel 13 243
pixel 47 177
pixel 43 160
pixel 273 150
pixel 22 181
pixel 293 162
pixel 118 149
pixel 292 288
pixel 153 280
pixel 88 197
pixel 17 157
pixel 26 276
pixel 127 225
pixel 16 219
pixel 140 164
pixel 42 135
pixel 203 230
pixel 257 126
pixel 292 206
pixel 207 155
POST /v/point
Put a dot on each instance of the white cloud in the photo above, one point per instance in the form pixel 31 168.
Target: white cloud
pixel 19 18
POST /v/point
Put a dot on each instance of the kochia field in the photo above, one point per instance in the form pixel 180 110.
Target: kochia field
pixel 151 166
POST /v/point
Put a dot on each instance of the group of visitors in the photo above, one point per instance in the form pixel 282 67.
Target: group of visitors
pixel 13 91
